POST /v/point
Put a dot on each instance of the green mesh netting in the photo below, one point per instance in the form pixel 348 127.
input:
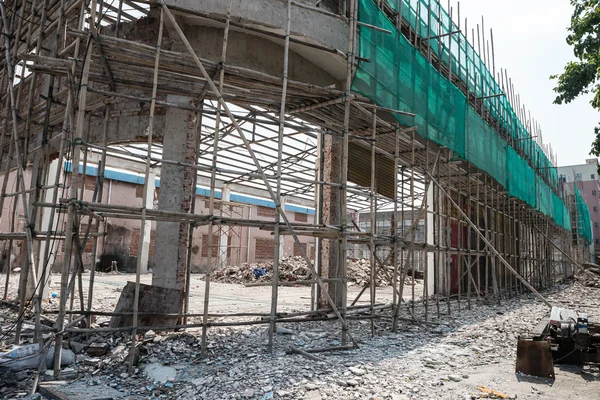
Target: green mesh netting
pixel 584 221
pixel 394 74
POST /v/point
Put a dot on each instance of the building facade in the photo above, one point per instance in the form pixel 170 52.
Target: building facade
pixel 586 179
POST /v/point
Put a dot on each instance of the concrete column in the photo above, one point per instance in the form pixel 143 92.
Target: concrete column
pixel 45 220
pixel 176 189
pixel 282 252
pixel 224 235
pixel 145 255
pixel 331 216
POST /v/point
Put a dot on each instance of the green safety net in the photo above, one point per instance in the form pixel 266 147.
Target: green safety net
pixel 396 75
pixel 584 224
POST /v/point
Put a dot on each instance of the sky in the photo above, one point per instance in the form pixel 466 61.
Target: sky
pixel 529 41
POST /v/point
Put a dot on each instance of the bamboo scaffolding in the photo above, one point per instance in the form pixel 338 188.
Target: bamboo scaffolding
pixel 99 81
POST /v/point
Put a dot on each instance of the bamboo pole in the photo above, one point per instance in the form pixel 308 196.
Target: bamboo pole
pixel 78 134
pixel 212 189
pixel 100 181
pixel 280 139
pixel 489 245
pixel 373 230
pixel 136 298
pixel 30 263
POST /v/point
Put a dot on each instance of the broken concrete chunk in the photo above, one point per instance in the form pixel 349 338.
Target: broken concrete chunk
pixel 160 373
pixel 98 349
pixel 357 371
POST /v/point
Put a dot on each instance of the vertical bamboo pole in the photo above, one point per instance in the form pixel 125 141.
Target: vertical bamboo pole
pixel 280 138
pixel 373 230
pixel 459 246
pixel 437 235
pixel 395 232
pixel 74 186
pixel 213 182
pixel 426 235
pixel 469 244
pixel 413 217
pixel 478 227
pixel 257 164
pixel 448 241
pixel 101 169
pixel 30 264
pixel 489 245
pixel 136 298
pixel 353 8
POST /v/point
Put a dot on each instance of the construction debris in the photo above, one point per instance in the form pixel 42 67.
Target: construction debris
pixel 454 358
pixel 590 275
pixel 293 269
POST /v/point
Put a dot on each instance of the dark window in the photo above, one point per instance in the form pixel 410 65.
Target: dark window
pixel 593 192
pixel 595 208
pixel 595 224
pixel 593 176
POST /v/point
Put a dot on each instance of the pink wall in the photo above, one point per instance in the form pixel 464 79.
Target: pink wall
pixel 120 243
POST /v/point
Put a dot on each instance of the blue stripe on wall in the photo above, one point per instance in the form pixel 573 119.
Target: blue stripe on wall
pixel 139 180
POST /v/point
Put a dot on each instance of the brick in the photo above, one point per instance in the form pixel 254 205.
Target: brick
pixel 264 249
pixel 266 212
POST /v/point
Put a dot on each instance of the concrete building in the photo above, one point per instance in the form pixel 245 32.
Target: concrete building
pixel 586 178
pixel 384 228
pixel 232 245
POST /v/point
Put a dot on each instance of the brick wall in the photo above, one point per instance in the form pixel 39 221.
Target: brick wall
pixel 264 249
pixel 311 251
pixel 215 246
pixel 135 242
pixel 90 183
pixel 265 212
pixel 297 249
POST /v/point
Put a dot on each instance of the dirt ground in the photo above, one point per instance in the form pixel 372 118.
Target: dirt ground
pixel 223 297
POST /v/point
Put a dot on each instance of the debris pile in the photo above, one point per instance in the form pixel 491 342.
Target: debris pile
pixel 470 355
pixel 591 275
pixel 293 269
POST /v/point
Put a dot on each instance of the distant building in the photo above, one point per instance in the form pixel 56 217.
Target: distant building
pixel 585 178
pixel 384 228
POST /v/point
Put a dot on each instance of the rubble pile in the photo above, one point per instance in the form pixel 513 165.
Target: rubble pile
pixel 591 275
pixel 457 356
pixel 295 269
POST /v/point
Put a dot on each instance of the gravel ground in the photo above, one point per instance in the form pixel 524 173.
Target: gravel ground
pixel 448 359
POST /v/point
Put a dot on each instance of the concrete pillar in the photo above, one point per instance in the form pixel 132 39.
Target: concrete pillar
pixel 176 189
pixel 45 223
pixel 282 252
pixel 330 256
pixel 224 235
pixel 145 255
